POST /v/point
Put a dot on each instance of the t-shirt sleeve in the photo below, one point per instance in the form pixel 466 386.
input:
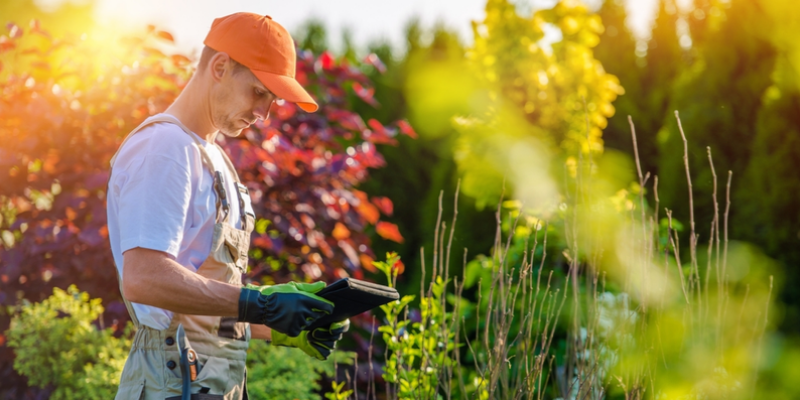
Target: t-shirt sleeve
pixel 154 204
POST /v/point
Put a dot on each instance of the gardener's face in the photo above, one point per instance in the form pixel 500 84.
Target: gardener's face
pixel 238 100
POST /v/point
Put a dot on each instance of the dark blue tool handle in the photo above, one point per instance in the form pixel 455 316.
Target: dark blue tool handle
pixel 186 391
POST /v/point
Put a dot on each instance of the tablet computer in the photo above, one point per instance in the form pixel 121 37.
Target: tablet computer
pixel 351 297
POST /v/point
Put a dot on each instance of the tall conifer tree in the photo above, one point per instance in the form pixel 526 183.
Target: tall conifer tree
pixel 697 18
pixel 766 196
pixel 718 97
pixel 617 53
pixel 664 62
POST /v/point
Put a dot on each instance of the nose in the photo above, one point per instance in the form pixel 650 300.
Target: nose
pixel 261 109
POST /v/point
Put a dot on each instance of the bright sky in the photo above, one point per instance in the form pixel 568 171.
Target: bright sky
pixel 189 20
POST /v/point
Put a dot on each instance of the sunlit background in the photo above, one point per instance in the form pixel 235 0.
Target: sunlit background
pixel 366 20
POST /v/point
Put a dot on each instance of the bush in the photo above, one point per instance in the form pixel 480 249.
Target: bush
pixel 58 345
pixel 279 373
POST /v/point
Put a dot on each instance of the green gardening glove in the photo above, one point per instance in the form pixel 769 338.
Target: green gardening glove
pixel 287 308
pixel 317 343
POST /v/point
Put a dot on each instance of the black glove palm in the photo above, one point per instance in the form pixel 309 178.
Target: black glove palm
pixel 324 339
pixel 317 343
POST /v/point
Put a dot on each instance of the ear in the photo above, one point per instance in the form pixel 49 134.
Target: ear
pixel 218 65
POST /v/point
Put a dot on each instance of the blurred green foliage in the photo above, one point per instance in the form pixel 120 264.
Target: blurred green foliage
pixel 734 83
pixel 769 213
pixel 58 346
pixel 732 69
pixel 737 94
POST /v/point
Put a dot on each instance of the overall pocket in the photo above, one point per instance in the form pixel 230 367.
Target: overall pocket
pixel 212 381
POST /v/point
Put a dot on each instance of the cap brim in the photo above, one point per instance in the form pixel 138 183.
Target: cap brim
pixel 288 89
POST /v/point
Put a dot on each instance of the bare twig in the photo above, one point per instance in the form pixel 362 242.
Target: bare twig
pixel 371 383
pixel 693 237
pixel 727 210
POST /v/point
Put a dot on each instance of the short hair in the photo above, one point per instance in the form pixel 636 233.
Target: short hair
pixel 205 58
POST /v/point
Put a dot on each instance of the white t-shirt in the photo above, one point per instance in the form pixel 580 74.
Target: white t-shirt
pixel 161 197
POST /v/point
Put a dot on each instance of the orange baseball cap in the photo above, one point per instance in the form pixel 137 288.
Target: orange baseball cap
pixel 266 48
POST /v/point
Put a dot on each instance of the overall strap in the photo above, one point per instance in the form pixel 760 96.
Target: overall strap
pixel 239 186
pixel 172 120
pixel 228 163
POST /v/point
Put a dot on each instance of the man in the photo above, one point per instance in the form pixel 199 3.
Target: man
pixel 179 224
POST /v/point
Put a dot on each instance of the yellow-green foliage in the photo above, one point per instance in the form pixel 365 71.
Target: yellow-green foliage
pixel 546 98
pixel 338 392
pixel 57 344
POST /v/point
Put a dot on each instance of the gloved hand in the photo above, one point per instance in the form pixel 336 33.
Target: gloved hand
pixel 317 343
pixel 287 308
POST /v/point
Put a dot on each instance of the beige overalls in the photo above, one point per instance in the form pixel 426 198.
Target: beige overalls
pixel 152 371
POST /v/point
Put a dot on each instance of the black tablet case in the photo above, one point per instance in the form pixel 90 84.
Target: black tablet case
pixel 352 297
